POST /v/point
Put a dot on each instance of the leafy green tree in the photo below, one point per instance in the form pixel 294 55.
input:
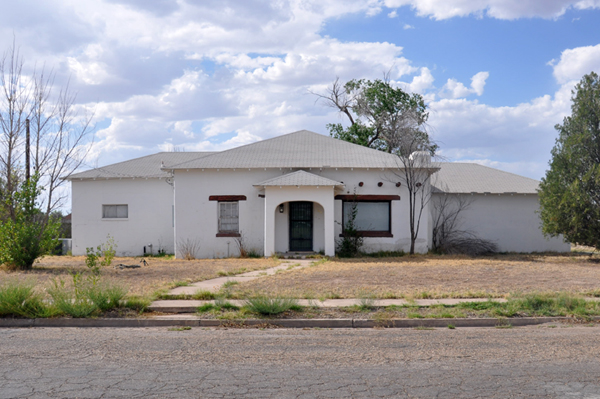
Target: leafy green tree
pixel 28 233
pixel 570 192
pixel 381 116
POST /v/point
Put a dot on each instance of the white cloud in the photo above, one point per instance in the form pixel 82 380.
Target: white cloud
pixel 478 82
pixel 574 63
pixel 455 89
pixel 407 26
pixel 500 9
pixel 204 76
pixel 421 83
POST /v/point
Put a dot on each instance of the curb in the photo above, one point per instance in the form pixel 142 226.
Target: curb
pixel 284 323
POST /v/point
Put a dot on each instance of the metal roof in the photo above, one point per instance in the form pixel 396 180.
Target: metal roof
pixel 475 178
pixel 148 166
pixel 304 150
pixel 301 149
pixel 299 178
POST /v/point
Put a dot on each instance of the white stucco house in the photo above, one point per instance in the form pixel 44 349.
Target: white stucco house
pixel 288 194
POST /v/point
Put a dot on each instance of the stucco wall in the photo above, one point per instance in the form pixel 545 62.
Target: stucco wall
pixel 150 215
pixel 509 220
pixel 197 219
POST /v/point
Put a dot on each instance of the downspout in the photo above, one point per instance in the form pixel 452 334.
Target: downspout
pixel 171 182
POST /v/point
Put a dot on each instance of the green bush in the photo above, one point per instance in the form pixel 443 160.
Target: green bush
pixel 27 233
pixel 19 298
pixel 352 241
pixel 104 253
pixel 271 306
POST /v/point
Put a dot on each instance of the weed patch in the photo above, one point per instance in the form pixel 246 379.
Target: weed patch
pixel 19 298
pixel 203 295
pixel 184 328
pixel 271 306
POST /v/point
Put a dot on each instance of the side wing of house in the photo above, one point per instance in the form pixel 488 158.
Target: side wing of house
pixel 501 207
pixel 136 213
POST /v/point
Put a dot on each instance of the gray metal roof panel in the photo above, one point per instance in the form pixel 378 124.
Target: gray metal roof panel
pixel 148 166
pixel 299 178
pixel 474 178
pixel 301 149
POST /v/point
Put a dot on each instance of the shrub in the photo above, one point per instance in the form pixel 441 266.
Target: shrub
pixel 352 241
pixel 27 233
pixel 188 248
pixel 272 306
pixel 104 253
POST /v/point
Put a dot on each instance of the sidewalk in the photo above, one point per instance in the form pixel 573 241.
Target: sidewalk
pixel 190 306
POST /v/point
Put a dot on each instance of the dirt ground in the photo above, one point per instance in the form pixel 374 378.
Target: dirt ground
pixel 159 274
pixel 433 276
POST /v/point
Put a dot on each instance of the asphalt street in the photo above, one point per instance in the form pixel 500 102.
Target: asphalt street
pixel 529 362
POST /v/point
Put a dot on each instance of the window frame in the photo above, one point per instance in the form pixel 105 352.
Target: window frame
pixel 228 233
pixel 117 212
pixel 370 233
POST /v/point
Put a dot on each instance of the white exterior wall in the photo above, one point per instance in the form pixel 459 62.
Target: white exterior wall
pixel 197 217
pixel 510 221
pixel 150 218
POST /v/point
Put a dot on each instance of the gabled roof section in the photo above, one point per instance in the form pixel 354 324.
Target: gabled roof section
pixel 301 149
pixel 148 166
pixel 474 178
pixel 299 178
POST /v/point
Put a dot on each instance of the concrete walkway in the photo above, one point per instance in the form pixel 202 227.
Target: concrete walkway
pixel 215 284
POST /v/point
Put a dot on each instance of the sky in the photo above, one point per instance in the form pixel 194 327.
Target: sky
pixel 210 75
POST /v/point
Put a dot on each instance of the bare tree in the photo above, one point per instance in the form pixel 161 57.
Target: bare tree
pixel 61 137
pixel 14 110
pixel 414 170
pixel 387 118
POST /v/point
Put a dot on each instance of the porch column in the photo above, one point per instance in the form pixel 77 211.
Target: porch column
pixel 269 224
pixel 329 222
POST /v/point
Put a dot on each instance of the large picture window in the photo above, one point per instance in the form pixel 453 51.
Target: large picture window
pixel 229 220
pixel 372 217
pixel 115 212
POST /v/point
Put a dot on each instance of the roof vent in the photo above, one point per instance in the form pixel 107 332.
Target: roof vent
pixel 420 158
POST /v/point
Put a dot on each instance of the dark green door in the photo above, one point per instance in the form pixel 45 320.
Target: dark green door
pixel 301 226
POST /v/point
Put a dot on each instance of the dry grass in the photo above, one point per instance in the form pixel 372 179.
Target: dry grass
pixel 432 276
pixel 159 274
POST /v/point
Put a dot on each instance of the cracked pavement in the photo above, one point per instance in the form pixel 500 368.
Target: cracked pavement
pixel 529 362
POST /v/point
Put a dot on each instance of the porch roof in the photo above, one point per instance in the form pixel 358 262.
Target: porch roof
pixel 299 178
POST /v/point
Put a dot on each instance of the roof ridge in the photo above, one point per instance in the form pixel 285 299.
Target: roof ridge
pixel 250 144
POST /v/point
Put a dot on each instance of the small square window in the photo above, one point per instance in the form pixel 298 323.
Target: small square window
pixel 229 217
pixel 115 211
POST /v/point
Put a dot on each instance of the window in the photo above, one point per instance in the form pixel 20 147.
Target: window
pixel 229 217
pixel 372 217
pixel 115 212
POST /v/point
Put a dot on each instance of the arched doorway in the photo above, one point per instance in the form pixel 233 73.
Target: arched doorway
pixel 301 226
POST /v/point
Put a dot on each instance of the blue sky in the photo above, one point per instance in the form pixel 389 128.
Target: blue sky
pixel 214 74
